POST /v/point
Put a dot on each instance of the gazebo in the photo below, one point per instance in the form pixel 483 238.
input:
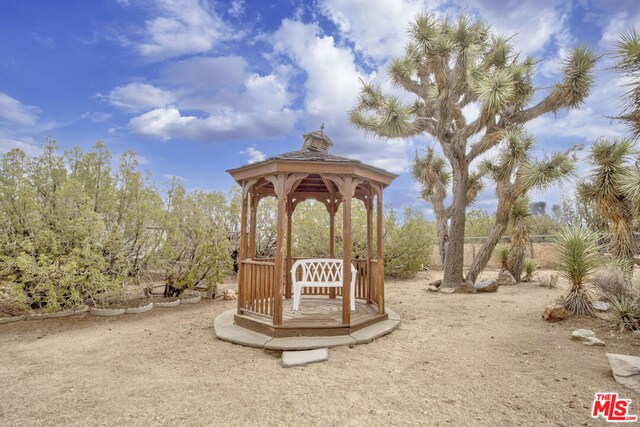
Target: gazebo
pixel 265 285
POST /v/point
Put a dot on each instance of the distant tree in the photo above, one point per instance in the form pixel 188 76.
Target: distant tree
pixel 448 66
pixel 479 223
pixel 408 245
pixel 538 208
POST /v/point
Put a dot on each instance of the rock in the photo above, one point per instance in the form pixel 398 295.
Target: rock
pixel 594 341
pixel 601 306
pixel 447 290
pixel 626 370
pixel 582 334
pixel 301 358
pixel 435 283
pixel 466 288
pixel 555 313
pixel 229 294
pixel 432 288
pixel 489 285
pixel 506 278
pixel 636 333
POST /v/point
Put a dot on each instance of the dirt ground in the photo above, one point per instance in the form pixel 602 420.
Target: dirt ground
pixel 486 359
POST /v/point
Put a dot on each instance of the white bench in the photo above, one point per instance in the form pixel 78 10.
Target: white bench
pixel 320 272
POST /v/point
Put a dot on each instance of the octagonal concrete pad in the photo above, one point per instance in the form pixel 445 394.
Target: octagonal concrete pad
pixel 227 330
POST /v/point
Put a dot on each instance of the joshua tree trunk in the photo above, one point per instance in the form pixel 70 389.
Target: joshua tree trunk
pixel 453 268
pixel 486 250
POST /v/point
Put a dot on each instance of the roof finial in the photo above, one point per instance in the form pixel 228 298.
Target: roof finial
pixel 322 127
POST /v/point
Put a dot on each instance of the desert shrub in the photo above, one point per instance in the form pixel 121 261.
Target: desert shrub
pixel 613 284
pixel 530 267
pixel 408 245
pixel 73 231
pixel 196 248
pixel 577 259
pixel 617 288
pixel 55 249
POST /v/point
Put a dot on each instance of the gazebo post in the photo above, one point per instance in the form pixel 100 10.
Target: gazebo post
pixel 242 249
pixel 252 225
pixel 380 238
pixel 287 291
pixel 279 264
pixel 346 249
pixel 369 207
pixel 332 233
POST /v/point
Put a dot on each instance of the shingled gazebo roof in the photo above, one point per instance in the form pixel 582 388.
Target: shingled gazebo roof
pixel 315 149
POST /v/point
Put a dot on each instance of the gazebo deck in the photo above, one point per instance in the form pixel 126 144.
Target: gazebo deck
pixel 317 316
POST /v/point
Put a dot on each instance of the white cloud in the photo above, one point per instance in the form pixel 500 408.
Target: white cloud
pixel 377 28
pixel 254 154
pixel 28 146
pixel 12 110
pixel 96 116
pixel 331 89
pixel 206 73
pixel 45 41
pixel 170 177
pixel 182 27
pixel 237 8
pixel 168 123
pixel 138 96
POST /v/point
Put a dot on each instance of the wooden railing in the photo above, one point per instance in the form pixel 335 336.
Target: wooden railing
pixel 258 278
pixel 257 286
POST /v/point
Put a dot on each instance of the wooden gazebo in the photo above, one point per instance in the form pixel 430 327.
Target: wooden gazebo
pixel 265 285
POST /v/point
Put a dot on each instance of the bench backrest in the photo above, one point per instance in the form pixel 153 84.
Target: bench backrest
pixel 320 270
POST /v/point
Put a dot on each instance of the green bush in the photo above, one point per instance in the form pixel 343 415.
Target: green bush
pixel 408 246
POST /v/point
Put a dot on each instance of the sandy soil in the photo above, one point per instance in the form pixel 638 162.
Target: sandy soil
pixel 485 359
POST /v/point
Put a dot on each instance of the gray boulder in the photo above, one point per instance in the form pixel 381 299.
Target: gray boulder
pixel 488 285
pixel 435 283
pixel 582 334
pixel 626 370
pixel 591 341
pixel 601 306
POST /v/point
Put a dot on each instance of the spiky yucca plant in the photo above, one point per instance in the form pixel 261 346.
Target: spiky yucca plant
pixel 502 254
pixel 530 267
pixel 625 313
pixel 577 258
pixel 520 229
pixel 448 65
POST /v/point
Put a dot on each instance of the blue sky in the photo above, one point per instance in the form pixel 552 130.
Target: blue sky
pixel 196 87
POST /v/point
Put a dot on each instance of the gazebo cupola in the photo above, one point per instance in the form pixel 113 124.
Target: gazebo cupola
pixel 265 285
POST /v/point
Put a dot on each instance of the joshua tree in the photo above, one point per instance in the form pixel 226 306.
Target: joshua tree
pixel 520 229
pixel 626 52
pixel 577 258
pixel 448 66
pixel 610 186
pixel 515 173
